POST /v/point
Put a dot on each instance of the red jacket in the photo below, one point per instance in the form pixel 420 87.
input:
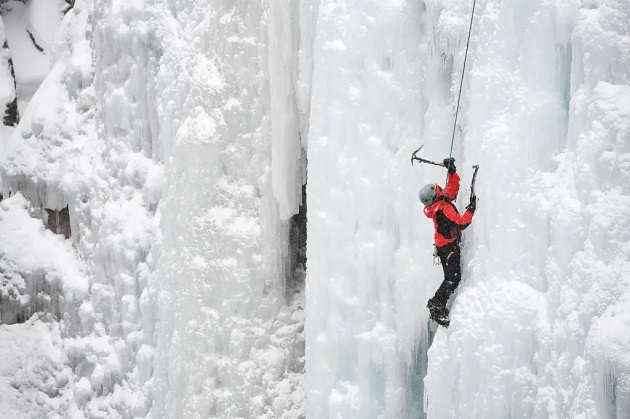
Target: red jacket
pixel 446 219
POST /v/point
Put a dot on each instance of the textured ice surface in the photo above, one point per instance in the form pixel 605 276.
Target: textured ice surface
pixel 538 326
pixel 31 28
pixel 227 344
pixel 515 121
pixel 547 259
pixel 35 378
pixel 174 131
pixel 368 269
pixel 154 128
pixel 40 271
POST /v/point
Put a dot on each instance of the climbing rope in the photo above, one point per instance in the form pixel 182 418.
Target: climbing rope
pixel 461 83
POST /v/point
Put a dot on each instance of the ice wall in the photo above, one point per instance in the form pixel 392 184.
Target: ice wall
pixel 290 64
pixel 368 268
pixel 175 132
pixel 31 27
pixel 75 147
pixel 39 269
pixel 547 259
pixel 228 345
pixel 156 129
pixel 539 323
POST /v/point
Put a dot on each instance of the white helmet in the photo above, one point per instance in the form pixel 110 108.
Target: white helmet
pixel 427 194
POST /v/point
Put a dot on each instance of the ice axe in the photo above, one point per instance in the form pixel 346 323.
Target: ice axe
pixel 472 185
pixel 421 160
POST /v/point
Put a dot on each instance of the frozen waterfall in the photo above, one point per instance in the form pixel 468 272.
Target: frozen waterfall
pixel 365 290
pixel 152 226
pixel 540 322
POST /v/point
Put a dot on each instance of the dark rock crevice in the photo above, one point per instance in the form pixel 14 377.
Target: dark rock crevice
pixel 69 5
pixel 58 221
pixel 11 117
pixel 297 250
pixel 37 46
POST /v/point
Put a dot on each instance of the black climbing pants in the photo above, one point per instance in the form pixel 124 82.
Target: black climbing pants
pixel 450 256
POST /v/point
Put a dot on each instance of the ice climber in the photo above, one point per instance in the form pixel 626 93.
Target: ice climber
pixel 448 231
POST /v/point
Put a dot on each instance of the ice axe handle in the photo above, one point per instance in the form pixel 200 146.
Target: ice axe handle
pixel 426 161
pixel 421 160
pixel 474 178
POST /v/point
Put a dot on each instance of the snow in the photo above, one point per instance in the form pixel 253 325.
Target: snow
pixel 48 156
pixel 7 86
pixel 35 260
pixel 169 180
pixel 42 277
pixel 177 134
pixel 44 17
pixel 34 368
pixel 31 65
pixel 40 20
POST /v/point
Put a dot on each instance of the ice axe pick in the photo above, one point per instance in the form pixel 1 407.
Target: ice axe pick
pixel 421 160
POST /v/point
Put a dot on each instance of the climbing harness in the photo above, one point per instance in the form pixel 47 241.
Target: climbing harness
pixel 436 256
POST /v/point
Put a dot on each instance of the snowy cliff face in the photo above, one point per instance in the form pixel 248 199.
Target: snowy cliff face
pixel 174 135
pixel 154 128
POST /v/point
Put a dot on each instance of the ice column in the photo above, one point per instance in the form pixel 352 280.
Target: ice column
pixel 288 157
pixel 225 340
pixel 365 292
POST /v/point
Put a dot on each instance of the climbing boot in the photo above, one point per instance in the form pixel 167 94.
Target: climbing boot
pixel 433 305
pixel 442 317
pixel 439 312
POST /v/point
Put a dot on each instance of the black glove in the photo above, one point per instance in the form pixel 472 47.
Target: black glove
pixel 450 165
pixel 473 204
